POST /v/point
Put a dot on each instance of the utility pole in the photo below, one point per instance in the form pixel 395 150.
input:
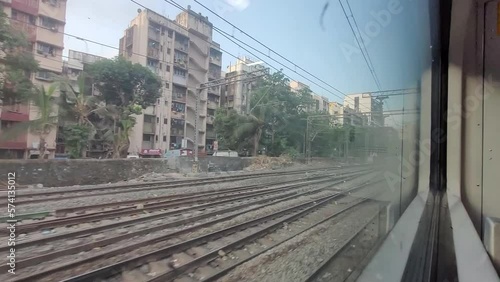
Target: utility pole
pixel 306 142
pixel 196 122
pixel 249 91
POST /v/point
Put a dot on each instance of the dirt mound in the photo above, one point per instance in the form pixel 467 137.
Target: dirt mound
pixel 265 162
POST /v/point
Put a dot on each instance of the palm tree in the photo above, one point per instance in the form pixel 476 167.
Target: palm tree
pixel 250 129
pixel 79 106
pixel 78 103
pixel 45 122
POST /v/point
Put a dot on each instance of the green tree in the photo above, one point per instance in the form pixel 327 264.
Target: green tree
pixel 78 105
pixel 128 89
pixel 76 137
pixel 46 121
pixel 17 63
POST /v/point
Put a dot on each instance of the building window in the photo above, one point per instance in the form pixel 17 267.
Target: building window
pixel 164 138
pixel 356 103
pixel 45 75
pixel 167 85
pixel 48 23
pixel 54 3
pixel 170 34
pixel 146 137
pixel 45 49
pixel 149 118
pixel 23 17
pixel 178 107
pixel 179 72
pixel 166 103
pixel 168 68
pixel 156 138
pixel 157 120
pixel 169 51
pixel 165 121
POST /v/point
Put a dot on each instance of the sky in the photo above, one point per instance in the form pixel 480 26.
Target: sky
pixel 395 34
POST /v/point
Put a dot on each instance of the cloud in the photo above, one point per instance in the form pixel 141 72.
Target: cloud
pixel 239 5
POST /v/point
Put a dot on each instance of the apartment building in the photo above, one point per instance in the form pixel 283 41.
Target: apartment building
pixel 320 103
pixel 336 110
pixel 43 23
pixel 368 105
pixel 240 78
pixel 181 52
pixel 72 69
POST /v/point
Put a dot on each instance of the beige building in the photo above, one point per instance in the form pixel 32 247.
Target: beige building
pixel 72 68
pixel 238 93
pixel 43 23
pixel 321 103
pixel 337 110
pixel 181 52
pixel 368 105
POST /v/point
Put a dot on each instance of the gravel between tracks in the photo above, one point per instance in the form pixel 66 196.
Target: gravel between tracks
pixel 236 220
pixel 297 258
pixel 92 200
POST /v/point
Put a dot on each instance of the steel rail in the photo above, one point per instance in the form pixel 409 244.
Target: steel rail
pixel 127 211
pixel 136 245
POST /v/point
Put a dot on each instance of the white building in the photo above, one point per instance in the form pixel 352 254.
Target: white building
pixel 368 105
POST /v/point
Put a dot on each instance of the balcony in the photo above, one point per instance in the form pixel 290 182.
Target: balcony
pixel 179 79
pixel 27 6
pixel 55 9
pixel 183 47
pixel 179 97
pixel 216 60
pixel 16 142
pixel 50 35
pixel 181 63
pixel 148 128
pixel 28 29
pixel 214 74
pixel 16 112
pixel 154 69
pixel 154 34
pixel 177 132
pixel 154 53
pixel 210 135
pixel 178 115
pixel 212 104
pixel 210 119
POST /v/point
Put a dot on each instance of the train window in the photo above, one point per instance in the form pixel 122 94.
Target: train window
pixel 327 140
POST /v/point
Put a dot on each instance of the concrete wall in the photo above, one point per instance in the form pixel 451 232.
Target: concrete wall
pixel 81 172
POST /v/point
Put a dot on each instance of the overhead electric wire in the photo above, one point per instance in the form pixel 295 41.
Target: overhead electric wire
pixel 117 48
pixel 359 44
pixel 225 34
pixel 268 48
pixel 377 81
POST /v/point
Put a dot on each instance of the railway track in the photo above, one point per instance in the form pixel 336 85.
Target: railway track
pixel 55 194
pixel 176 205
pixel 64 250
pixel 275 218
pixel 346 259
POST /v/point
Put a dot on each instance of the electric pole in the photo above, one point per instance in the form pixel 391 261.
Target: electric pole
pixel 196 122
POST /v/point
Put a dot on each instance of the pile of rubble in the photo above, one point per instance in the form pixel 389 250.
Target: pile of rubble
pixel 265 162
